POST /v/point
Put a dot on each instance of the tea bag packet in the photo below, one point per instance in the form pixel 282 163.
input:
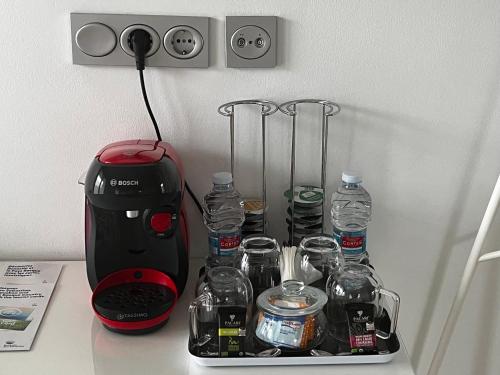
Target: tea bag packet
pixel 361 321
pixel 286 332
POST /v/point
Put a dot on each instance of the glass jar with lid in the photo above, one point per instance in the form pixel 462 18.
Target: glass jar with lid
pixel 290 317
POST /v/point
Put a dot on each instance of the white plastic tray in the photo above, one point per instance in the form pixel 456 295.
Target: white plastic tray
pixel 294 361
pixel 298 360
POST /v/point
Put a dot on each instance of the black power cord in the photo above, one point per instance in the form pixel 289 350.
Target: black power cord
pixel 140 42
pixel 195 200
pixel 146 101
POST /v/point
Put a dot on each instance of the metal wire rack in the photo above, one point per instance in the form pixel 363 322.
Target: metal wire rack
pixel 267 108
pixel 329 109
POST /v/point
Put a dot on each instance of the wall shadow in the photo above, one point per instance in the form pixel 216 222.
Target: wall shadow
pixel 451 234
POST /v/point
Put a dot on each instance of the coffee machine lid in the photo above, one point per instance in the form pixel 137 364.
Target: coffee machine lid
pixel 132 152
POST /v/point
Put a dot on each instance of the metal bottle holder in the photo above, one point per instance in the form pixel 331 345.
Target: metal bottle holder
pixel 329 109
pixel 267 108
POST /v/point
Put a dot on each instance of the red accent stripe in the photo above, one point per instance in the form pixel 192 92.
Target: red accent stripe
pixel 147 150
pixel 119 143
pixel 172 154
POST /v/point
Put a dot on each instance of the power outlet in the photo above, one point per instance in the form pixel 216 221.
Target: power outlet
pixel 251 42
pixel 183 42
pixel 104 39
pixel 126 39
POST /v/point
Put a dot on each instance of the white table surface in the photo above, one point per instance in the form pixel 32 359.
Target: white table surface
pixel 71 340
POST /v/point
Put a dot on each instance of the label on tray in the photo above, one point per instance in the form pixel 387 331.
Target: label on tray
pixel 224 244
pixel 362 337
pixel 232 331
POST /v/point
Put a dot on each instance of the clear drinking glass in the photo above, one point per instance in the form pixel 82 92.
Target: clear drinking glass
pixel 211 262
pixel 225 288
pixel 320 255
pixel 258 259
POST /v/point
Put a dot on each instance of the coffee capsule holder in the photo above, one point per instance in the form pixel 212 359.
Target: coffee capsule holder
pixel 267 108
pixel 329 109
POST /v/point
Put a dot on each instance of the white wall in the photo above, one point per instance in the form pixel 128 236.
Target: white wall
pixel 419 86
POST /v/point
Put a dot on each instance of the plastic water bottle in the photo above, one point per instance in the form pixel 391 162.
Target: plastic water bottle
pixel 351 211
pixel 223 215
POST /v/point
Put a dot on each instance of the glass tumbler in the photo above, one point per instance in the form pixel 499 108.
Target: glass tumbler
pixel 319 256
pixel 258 259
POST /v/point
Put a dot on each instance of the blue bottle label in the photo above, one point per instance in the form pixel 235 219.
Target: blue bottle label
pixel 352 243
pixel 224 244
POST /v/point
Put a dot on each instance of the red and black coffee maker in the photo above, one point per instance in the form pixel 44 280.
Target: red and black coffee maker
pixel 136 238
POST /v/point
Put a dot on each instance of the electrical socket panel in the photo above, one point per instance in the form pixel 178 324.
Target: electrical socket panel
pixel 251 41
pixel 103 39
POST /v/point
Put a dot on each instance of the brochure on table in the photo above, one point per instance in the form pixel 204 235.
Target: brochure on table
pixel 25 290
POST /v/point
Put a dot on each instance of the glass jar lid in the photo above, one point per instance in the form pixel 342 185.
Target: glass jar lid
pixel 292 298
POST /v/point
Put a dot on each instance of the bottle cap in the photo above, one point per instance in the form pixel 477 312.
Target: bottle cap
pixel 222 178
pixel 351 177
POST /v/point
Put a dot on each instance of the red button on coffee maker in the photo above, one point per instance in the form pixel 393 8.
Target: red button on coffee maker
pixel 161 222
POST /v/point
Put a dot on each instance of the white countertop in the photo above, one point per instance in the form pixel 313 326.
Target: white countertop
pixel 71 340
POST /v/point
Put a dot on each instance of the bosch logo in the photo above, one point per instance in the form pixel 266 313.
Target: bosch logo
pixel 114 182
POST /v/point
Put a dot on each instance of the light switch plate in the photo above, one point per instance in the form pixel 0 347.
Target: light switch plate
pixel 251 41
pixel 93 41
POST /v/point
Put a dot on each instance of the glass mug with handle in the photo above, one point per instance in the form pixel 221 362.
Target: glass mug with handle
pixel 358 285
pixel 319 256
pixel 226 295
pixel 258 259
